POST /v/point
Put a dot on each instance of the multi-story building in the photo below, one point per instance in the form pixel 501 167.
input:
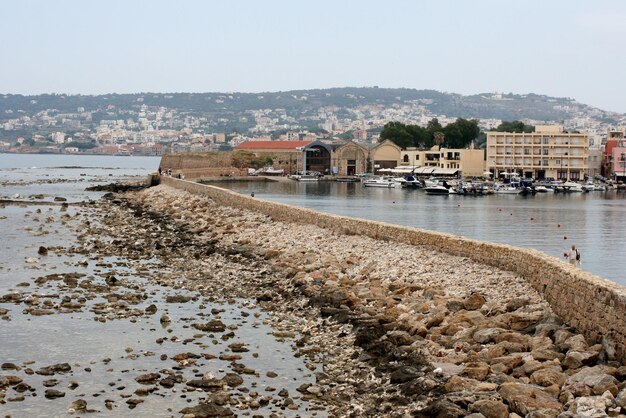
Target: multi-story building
pixel 549 152
pixel 610 159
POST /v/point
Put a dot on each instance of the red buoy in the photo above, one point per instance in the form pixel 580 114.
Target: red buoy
pixel 558 225
pixel 564 237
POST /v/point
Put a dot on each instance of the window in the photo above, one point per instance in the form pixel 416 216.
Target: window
pixel 545 140
pixel 545 162
pixel 406 158
pixel 545 151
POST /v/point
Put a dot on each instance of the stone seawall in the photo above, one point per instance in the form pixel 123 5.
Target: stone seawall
pixel 591 304
pixel 201 164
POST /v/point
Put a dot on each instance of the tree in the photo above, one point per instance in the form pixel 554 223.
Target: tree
pixel 434 126
pixel 397 133
pixel 515 126
pixel 421 138
pixel 469 132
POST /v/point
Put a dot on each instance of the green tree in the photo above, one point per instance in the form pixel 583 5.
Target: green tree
pixel 397 133
pixel 469 131
pixel 421 138
pixel 433 126
pixel 515 126
pixel 453 137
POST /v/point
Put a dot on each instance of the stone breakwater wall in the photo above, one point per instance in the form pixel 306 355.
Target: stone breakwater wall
pixel 594 306
pixel 202 164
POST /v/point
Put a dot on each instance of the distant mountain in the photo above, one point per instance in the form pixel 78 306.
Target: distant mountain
pixel 303 105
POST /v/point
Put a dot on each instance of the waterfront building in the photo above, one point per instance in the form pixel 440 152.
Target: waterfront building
pixel 467 162
pixel 549 152
pixel 289 155
pixel 595 162
pixel 618 163
pixel 350 159
pixel 614 139
pixel 385 155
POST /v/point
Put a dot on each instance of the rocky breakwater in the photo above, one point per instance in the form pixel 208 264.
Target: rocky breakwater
pixel 389 329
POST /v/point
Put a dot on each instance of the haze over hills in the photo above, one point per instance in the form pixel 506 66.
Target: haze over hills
pixel 298 109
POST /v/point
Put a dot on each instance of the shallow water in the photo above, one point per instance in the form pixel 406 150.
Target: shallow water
pixel 86 340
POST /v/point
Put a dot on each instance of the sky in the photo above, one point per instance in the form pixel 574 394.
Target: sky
pixel 565 48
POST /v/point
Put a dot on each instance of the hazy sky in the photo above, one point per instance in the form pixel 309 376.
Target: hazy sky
pixel 572 48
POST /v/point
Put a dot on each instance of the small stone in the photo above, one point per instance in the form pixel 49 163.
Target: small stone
pixel 232 379
pixel 148 378
pixel 53 393
pixel 79 405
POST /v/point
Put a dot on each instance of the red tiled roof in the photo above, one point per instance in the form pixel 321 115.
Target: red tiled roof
pixel 272 144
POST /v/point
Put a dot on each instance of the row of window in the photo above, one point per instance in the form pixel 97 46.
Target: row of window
pixel 545 140
pixel 562 163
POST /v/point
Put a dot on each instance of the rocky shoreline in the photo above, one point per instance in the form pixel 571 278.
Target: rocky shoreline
pixel 385 329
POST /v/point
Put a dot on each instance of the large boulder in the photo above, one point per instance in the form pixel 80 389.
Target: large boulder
pixel 524 399
pixel 490 408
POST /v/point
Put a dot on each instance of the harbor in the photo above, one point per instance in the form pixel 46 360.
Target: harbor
pixel 549 222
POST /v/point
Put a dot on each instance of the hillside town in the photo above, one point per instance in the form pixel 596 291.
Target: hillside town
pixel 142 128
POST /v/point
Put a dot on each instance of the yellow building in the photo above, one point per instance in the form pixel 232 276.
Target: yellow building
pixel 549 152
pixel 468 162
pixel 385 155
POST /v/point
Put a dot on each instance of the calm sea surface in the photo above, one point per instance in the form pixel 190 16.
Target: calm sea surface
pixel 595 222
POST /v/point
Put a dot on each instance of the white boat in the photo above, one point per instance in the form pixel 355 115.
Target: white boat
pixel 437 189
pixel 305 177
pixel 268 171
pixel 570 186
pixel 442 188
pixel 543 189
pixel 507 190
pixel 380 182
pixel 590 186
pixel 431 182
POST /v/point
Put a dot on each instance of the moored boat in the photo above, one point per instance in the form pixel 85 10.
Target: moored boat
pixel 507 190
pixel 380 182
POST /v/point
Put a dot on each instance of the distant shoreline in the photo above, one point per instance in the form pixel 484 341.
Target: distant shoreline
pixel 77 154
